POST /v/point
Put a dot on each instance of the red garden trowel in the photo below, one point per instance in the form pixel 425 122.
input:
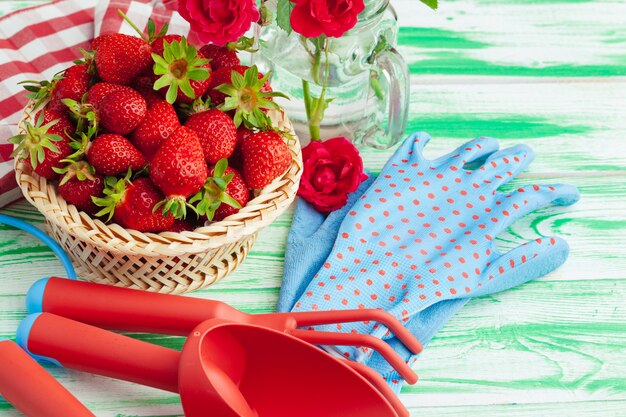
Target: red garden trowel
pixel 32 390
pixel 226 369
pixel 134 310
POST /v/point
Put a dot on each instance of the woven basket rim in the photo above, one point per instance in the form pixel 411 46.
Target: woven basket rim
pixel 268 203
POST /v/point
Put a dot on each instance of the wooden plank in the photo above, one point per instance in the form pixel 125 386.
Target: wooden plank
pixel 580 409
pixel 545 38
pixel 571 126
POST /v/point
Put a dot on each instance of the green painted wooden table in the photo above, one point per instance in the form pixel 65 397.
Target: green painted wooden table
pixel 549 73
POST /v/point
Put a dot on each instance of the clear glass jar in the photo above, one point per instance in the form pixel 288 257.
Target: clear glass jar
pixel 366 78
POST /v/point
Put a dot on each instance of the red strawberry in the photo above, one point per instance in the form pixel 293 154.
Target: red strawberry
pixel 182 74
pixel 122 58
pixel 160 122
pixel 97 41
pixel 132 205
pixel 80 184
pixel 223 76
pixel 143 85
pixel 223 194
pixel 179 169
pixel 48 134
pixel 237 189
pixel 199 87
pixel 220 56
pixel 121 111
pixel 181 226
pixel 236 159
pixel 265 158
pixel 73 85
pixel 217 133
pixel 157 44
pixel 112 154
pixel 99 91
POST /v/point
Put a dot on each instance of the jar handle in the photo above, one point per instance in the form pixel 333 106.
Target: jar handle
pixel 391 63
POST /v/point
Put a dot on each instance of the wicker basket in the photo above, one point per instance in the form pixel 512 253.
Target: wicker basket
pixel 166 262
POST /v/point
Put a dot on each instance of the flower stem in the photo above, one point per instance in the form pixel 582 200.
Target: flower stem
pixel 315 107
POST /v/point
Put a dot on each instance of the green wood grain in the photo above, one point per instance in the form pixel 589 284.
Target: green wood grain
pixel 541 72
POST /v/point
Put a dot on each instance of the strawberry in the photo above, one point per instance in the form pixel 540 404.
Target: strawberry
pixel 223 194
pixel 121 58
pixel 182 226
pixel 223 76
pixel 158 45
pixel 45 144
pixel 143 85
pixel 69 84
pixel 73 85
pixel 112 154
pixel 184 71
pixel 236 158
pixel 220 56
pixel 97 41
pixel 248 97
pixel 121 111
pixel 265 158
pixel 217 133
pixel 237 189
pixel 178 168
pixel 80 184
pixel 99 91
pixel 132 204
pixel 160 122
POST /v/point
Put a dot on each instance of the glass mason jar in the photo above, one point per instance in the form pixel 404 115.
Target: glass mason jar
pixel 367 79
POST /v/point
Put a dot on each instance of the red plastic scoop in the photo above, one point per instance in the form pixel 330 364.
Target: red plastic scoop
pixel 32 390
pixel 133 310
pixel 225 369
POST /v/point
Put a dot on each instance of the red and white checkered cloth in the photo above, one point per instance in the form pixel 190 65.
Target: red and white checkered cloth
pixel 37 42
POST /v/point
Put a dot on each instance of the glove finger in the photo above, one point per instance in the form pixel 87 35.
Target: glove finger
pixel 526 262
pixel 502 166
pixel 527 199
pixel 411 148
pixel 468 153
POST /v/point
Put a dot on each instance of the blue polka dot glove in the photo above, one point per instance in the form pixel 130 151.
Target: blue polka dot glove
pixel 424 232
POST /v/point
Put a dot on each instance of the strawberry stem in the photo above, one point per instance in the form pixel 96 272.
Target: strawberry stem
pixel 132 25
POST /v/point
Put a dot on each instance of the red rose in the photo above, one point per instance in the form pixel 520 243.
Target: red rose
pixel 219 21
pixel 333 18
pixel 332 170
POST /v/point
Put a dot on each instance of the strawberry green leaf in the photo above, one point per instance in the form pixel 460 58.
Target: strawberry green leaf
pixel 179 64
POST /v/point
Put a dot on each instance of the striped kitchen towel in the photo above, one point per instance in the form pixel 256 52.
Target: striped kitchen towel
pixel 37 42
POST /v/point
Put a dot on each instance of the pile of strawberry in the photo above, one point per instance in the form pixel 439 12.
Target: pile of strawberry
pixel 154 134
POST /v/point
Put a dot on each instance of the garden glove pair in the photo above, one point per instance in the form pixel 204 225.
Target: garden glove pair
pixel 419 242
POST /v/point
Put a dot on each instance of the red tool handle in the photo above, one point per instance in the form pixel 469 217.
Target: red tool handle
pixel 91 349
pixel 32 390
pixel 125 309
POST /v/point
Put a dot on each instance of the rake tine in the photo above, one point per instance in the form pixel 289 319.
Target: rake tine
pixel 350 339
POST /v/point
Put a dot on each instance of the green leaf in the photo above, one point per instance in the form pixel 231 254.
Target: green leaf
pixel 220 167
pixel 186 89
pixel 171 95
pixel 151 28
pixel 433 4
pixel 161 82
pixel 237 80
pixel 251 76
pixel 283 15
